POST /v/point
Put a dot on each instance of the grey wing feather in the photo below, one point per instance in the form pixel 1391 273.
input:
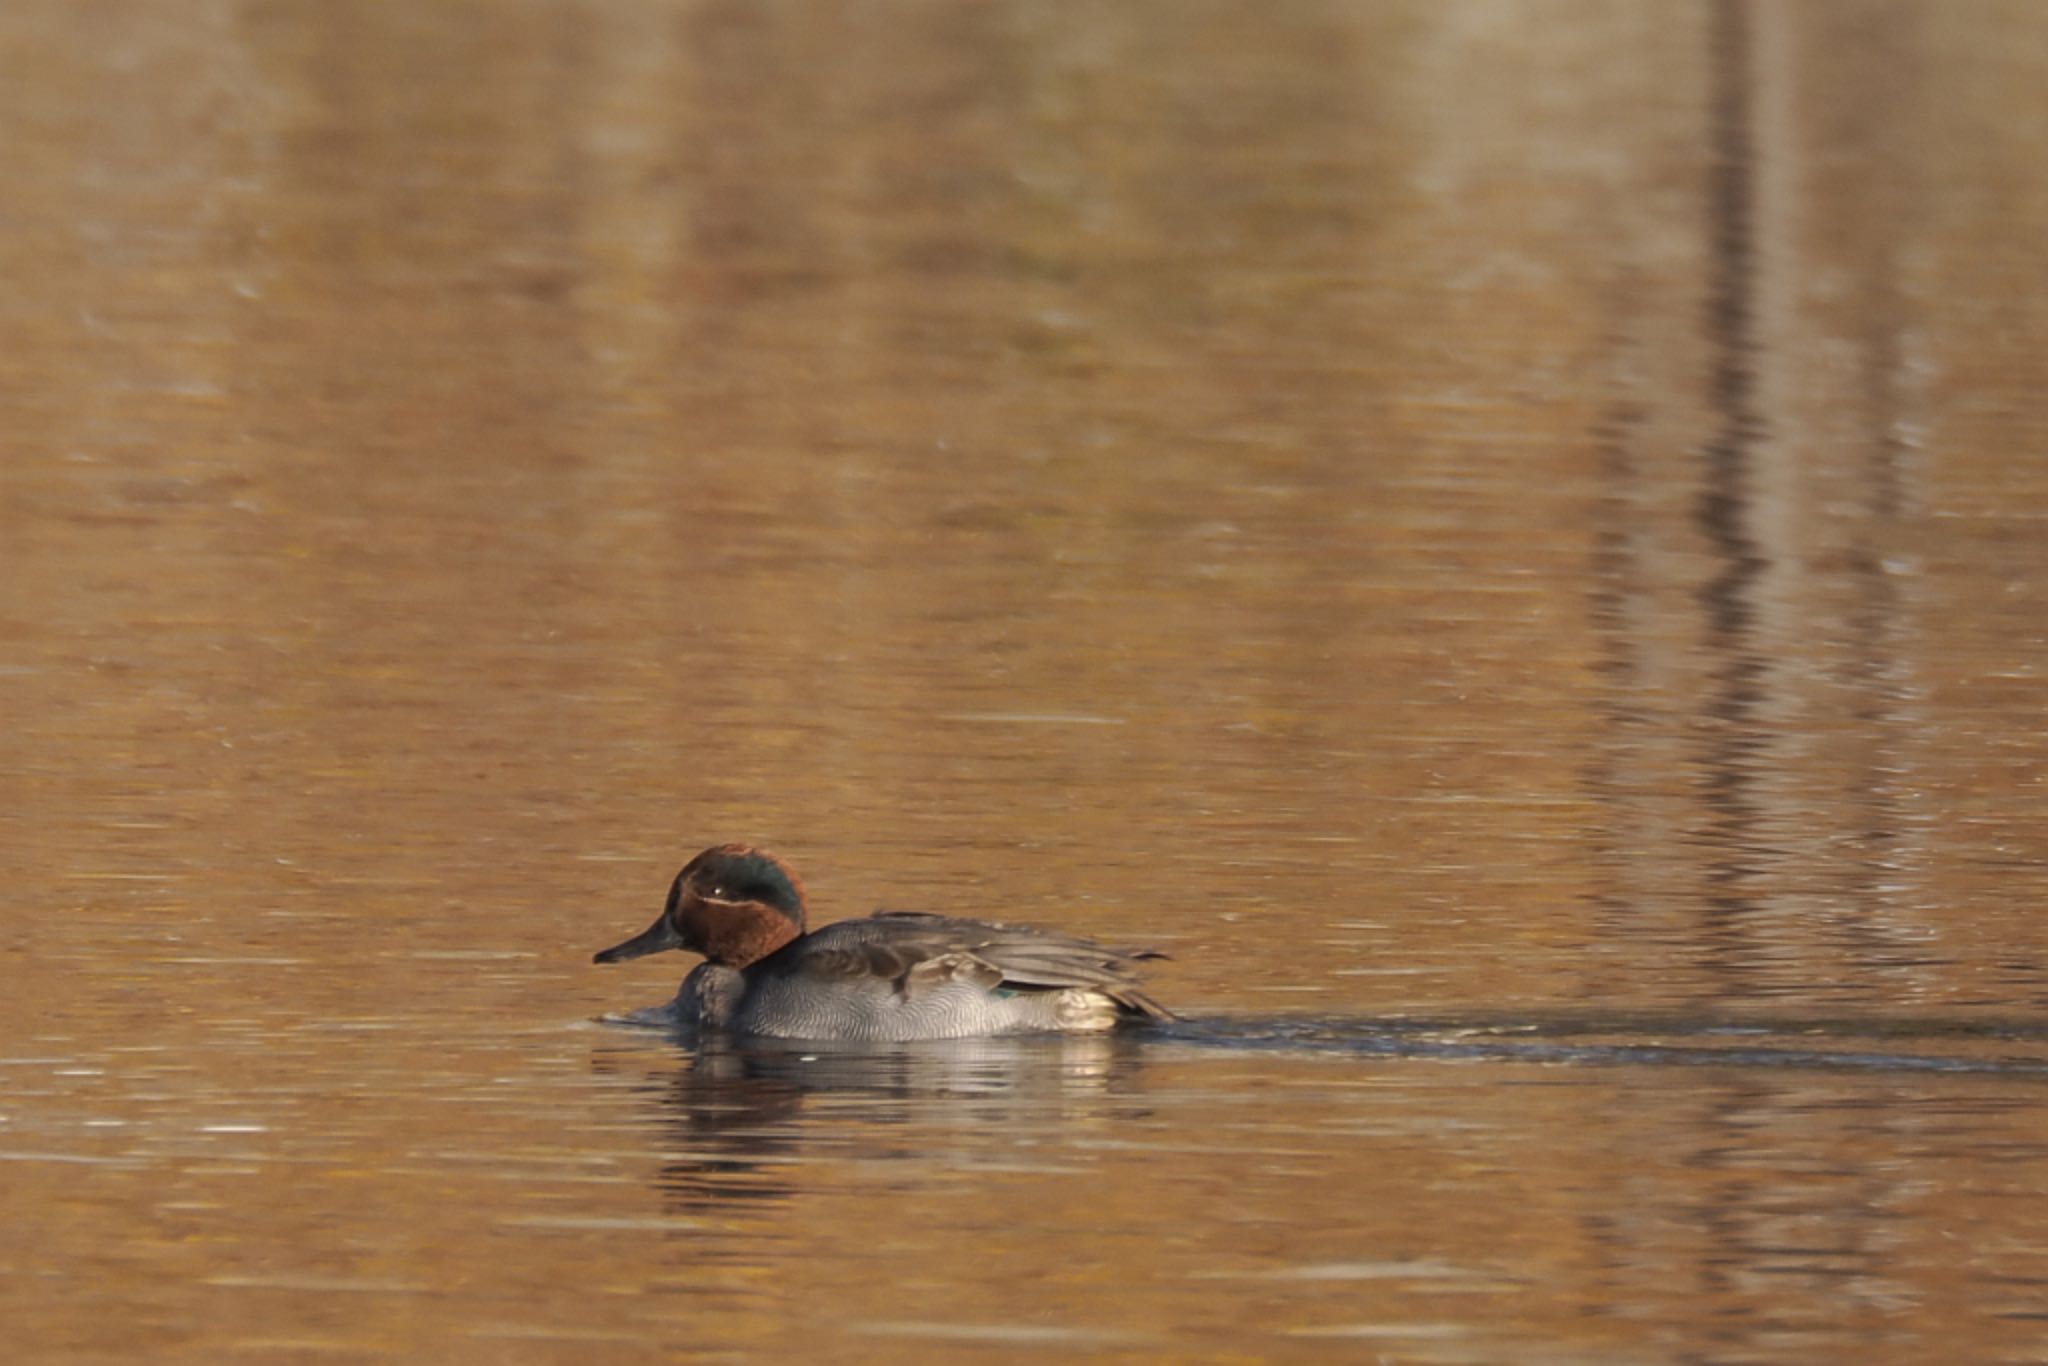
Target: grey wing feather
pixel 1025 958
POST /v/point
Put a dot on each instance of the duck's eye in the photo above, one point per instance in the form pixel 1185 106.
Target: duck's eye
pixel 717 892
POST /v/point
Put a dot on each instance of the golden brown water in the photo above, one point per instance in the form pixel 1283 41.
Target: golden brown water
pixel 1512 539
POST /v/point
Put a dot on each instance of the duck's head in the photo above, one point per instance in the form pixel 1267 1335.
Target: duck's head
pixel 732 903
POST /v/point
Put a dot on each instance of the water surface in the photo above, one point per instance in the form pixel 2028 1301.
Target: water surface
pixel 1508 540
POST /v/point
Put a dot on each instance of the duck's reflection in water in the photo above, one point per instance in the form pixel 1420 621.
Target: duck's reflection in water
pixel 737 1116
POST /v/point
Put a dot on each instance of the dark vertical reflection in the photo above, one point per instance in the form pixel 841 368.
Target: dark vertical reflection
pixel 1756 640
pixel 1724 508
pixel 1789 828
pixel 1818 1230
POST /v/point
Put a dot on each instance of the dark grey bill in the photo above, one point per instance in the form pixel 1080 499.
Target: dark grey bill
pixel 653 939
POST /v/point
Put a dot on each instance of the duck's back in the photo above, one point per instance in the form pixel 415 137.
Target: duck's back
pixel 903 975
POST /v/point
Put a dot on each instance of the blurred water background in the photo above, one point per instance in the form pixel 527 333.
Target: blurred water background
pixel 1511 539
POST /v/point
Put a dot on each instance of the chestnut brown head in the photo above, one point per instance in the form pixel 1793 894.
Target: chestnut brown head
pixel 732 903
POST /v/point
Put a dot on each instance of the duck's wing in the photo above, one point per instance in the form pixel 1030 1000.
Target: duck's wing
pixel 918 952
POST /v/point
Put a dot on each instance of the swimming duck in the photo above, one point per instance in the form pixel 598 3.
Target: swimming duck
pixel 893 977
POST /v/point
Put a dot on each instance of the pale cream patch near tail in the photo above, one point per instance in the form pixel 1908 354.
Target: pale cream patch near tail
pixel 1082 1011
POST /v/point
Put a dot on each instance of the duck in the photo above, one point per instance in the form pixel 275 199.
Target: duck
pixel 893 977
